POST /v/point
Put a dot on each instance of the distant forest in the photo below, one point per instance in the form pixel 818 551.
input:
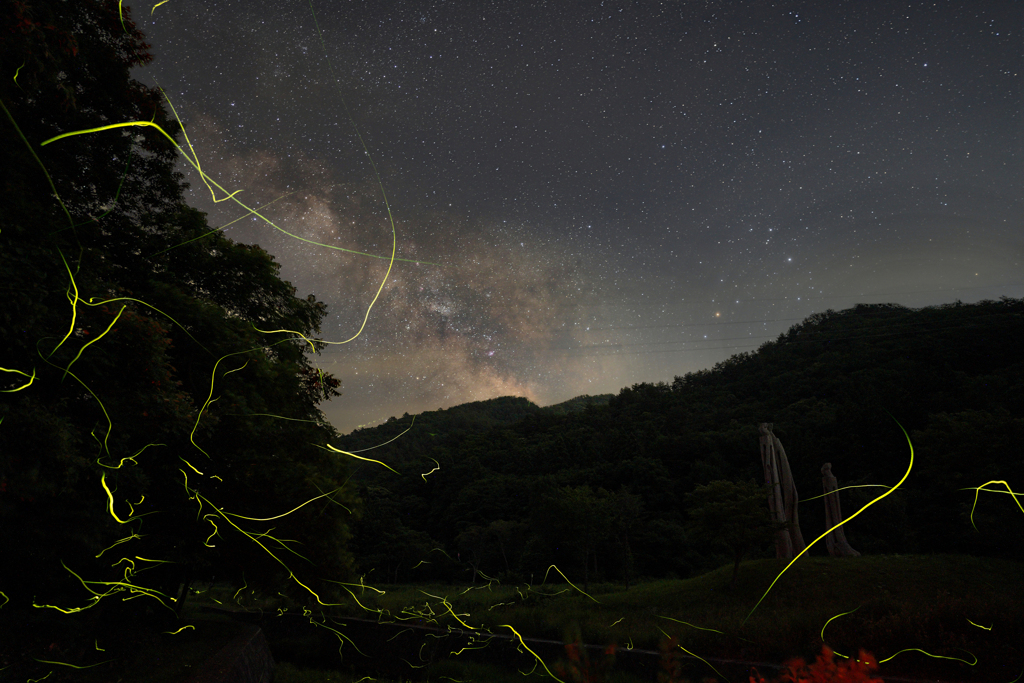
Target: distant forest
pixel 597 485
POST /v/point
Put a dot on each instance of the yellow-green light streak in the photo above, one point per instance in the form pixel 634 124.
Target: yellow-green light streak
pixel 283 514
pixel 827 532
pixel 110 501
pixel 978 489
pixel 91 341
pixel 914 649
pixel 527 648
pixel 221 228
pixel 73 666
pixel 686 623
pixel 357 457
pixel 31 378
pixel 131 458
pixel 38 161
pixel 438 466
pixel 363 450
pixel 567 581
pixel 854 486
pixel 693 654
pixel 841 614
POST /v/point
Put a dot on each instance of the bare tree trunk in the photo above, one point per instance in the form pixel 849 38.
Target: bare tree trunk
pixel 836 541
pixel 790 498
pixel 776 504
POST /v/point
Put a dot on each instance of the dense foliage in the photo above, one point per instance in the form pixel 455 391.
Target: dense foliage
pixel 502 477
pixel 140 404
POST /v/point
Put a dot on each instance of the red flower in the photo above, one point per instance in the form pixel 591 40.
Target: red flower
pixel 825 670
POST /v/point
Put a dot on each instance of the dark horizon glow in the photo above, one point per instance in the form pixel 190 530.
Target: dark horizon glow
pixel 613 192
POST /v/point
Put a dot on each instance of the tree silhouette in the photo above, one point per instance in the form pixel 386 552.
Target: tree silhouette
pixel 730 515
pixel 137 383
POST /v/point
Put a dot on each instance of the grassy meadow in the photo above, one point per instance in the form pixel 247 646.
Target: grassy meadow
pixel 926 613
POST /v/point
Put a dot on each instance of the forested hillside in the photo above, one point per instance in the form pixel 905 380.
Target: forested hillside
pixel 507 488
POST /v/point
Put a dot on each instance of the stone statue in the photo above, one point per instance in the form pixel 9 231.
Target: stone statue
pixel 782 499
pixel 836 541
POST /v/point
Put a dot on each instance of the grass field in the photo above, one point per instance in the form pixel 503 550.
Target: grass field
pixel 921 616
pixel 41 645
pixel 926 613
pixel 464 672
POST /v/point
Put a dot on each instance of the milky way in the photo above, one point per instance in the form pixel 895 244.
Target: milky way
pixel 587 195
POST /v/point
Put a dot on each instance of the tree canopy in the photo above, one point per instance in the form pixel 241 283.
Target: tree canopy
pixel 731 515
pixel 156 395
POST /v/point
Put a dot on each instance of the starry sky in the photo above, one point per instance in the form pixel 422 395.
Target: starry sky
pixel 587 195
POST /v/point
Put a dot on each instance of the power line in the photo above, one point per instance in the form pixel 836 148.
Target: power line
pixel 724 322
pixel 747 346
pixel 687 341
pixel 793 299
pixel 705 325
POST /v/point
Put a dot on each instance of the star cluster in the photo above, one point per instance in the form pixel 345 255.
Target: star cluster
pixel 587 195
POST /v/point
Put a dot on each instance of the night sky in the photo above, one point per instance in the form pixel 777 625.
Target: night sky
pixel 594 194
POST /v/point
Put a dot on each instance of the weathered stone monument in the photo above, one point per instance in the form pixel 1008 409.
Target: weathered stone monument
pixel 836 541
pixel 782 497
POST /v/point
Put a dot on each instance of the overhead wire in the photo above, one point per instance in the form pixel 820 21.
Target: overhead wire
pixel 818 339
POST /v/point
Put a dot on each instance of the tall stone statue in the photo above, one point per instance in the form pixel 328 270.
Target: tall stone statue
pixel 782 499
pixel 836 541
